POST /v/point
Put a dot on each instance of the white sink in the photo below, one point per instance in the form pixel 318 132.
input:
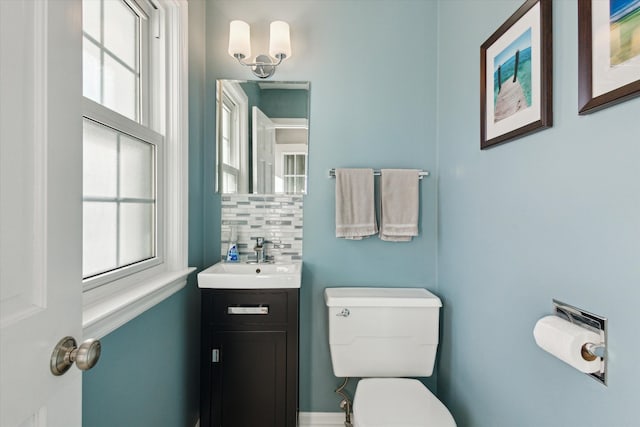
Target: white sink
pixel 242 275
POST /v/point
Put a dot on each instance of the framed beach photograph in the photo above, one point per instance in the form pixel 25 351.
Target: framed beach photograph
pixel 516 76
pixel 608 53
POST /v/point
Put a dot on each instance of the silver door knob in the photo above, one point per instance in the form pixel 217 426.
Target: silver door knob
pixel 67 352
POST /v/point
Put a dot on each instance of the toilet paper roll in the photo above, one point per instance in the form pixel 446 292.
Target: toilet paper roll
pixel 564 340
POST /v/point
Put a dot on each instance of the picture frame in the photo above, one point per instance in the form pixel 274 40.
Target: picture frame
pixel 516 84
pixel 608 57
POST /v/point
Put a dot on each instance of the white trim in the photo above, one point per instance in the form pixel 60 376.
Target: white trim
pixel 107 314
pixel 237 95
pixel 321 419
pixel 111 118
pixel 177 135
pixel 290 123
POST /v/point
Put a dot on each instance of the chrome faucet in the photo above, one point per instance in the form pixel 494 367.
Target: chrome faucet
pixel 261 250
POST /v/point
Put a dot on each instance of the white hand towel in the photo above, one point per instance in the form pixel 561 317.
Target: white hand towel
pixel 399 204
pixel 355 204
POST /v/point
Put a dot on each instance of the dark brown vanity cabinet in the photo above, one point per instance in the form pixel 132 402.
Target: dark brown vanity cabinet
pixel 249 374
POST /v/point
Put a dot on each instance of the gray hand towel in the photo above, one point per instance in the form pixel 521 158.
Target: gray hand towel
pixel 355 204
pixel 399 204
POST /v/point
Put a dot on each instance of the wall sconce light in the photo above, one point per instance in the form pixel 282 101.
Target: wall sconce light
pixel 279 47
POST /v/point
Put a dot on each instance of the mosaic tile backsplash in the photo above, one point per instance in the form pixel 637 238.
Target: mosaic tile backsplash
pixel 277 218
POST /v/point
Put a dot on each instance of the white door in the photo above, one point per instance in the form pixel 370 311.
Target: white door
pixel 264 144
pixel 40 209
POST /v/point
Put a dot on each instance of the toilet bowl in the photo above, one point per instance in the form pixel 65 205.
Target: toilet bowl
pixel 398 402
pixel 383 335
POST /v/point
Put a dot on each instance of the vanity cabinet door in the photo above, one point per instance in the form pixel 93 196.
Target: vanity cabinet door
pixel 248 381
pixel 249 374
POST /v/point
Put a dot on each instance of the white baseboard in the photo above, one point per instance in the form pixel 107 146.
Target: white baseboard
pixel 320 419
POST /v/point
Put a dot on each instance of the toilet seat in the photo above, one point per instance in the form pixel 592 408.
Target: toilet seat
pixel 398 402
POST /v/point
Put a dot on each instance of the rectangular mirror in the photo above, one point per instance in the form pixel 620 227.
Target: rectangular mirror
pixel 262 137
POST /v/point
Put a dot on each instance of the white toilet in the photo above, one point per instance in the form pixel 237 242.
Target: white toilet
pixel 383 334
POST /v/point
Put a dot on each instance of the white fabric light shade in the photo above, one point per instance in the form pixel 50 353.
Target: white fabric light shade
pixel 239 39
pixel 279 40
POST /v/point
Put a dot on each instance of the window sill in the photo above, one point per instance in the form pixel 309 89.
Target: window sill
pixel 103 313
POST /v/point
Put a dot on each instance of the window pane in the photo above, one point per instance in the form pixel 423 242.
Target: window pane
pixel 226 151
pixel 226 137
pixel 119 88
pixel 91 18
pixel 229 183
pixel 90 70
pixel 300 164
pixel 300 185
pixel 120 35
pixel 100 161
pixel 226 122
pixel 288 164
pixel 98 237
pixel 289 185
pixel 136 168
pixel 137 231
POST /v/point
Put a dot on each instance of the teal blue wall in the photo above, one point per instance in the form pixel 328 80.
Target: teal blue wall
pixel 290 103
pixel 148 371
pixel 277 103
pixel 253 93
pixel 148 374
pixel 372 68
pixel 552 215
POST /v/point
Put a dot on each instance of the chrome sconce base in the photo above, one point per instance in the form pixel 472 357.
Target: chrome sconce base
pixel 263 67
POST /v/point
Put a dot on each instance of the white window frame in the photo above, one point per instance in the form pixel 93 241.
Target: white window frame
pixel 233 91
pixel 233 140
pixel 284 174
pixel 101 115
pixel 109 302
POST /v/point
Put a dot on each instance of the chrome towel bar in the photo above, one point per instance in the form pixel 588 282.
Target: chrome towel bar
pixel 421 174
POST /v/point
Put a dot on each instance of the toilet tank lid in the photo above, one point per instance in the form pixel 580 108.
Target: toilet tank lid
pixel 380 297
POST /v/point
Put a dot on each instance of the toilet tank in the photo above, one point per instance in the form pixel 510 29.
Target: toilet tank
pixel 382 332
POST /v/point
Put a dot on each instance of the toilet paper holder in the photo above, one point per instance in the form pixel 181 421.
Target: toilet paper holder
pixel 593 322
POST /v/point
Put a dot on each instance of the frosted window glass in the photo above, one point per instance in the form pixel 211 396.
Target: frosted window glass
pixel 100 161
pixel 91 18
pixel 136 232
pixel 229 183
pixel 90 70
pixel 136 168
pixel 120 35
pixel 289 184
pixel 119 88
pixel 226 137
pixel 98 237
pixel 226 151
pixel 290 166
pixel 300 165
pixel 226 122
